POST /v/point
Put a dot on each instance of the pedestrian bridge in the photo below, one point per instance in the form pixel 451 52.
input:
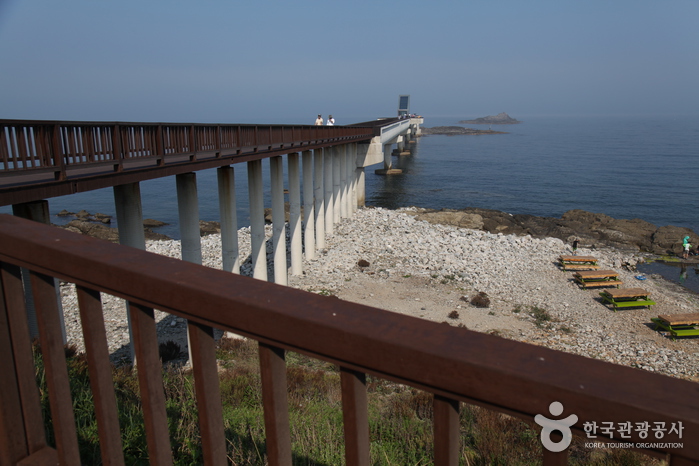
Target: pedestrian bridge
pixel 39 160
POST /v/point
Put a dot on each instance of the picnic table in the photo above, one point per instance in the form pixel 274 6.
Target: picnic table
pixel 578 262
pixel 592 278
pixel 627 297
pixel 679 325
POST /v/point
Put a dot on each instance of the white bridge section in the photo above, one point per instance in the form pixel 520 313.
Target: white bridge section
pixel 379 149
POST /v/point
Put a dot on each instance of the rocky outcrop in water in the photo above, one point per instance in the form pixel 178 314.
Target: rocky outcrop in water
pixel 455 131
pixel 593 230
pixel 499 119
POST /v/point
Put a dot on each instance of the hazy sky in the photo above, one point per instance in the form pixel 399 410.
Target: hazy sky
pixel 284 62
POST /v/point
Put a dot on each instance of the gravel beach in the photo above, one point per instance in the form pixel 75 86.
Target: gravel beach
pixel 432 272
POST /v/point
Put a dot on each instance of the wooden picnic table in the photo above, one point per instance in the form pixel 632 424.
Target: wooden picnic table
pixel 578 262
pixel 627 297
pixel 592 278
pixel 679 325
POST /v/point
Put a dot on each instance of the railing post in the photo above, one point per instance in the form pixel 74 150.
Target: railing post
pixel 356 418
pixel 446 431
pixel 57 153
pixel 116 146
pixel 44 289
pixel 276 405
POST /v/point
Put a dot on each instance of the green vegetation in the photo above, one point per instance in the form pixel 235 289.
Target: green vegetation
pixel 400 418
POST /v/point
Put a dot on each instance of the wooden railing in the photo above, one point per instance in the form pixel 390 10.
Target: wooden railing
pixel 455 364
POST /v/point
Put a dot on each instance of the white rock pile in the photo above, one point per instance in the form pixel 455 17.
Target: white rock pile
pixel 519 274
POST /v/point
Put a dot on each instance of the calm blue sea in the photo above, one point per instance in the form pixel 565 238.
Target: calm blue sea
pixel 626 167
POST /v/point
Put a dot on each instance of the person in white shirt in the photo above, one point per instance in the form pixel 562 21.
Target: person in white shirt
pixel 331 121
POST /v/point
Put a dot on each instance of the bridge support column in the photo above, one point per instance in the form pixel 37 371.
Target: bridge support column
pixel 309 234
pixel 361 187
pixel 39 212
pixel 319 194
pixel 342 158
pixel 352 178
pixel 295 239
pixel 129 213
pixel 328 182
pixel 188 207
pixel 278 220
pixel 229 219
pixel 388 163
pixel 257 221
pixel 337 192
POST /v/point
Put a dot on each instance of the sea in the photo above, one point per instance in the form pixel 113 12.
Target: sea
pixel 626 167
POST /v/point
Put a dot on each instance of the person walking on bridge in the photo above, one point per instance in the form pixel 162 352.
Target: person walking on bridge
pixel 331 120
pixel 319 120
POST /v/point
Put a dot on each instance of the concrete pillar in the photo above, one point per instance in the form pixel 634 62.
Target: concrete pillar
pixel 400 143
pixel 361 187
pixel 188 208
pixel 387 161
pixel 229 219
pixel 129 213
pixel 257 221
pixel 319 193
pixel 352 167
pixel 309 234
pixel 336 185
pixel 342 159
pixel 37 211
pixel 295 237
pixel 278 220
pixel 328 182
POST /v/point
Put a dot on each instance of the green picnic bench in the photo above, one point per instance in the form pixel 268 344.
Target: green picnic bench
pixel 679 325
pixel 627 297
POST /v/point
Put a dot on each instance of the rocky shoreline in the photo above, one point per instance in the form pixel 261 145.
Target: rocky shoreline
pixel 433 271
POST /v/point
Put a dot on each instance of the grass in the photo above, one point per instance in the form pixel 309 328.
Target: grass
pixel 400 418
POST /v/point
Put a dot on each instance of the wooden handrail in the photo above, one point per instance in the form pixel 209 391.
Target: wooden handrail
pixel 455 364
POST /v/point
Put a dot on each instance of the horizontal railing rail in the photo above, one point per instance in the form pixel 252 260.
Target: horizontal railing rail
pixel 29 144
pixel 454 364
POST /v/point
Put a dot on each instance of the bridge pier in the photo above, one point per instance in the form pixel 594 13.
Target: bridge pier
pixel 337 192
pixel 319 193
pixel 309 242
pixel 295 243
pixel 229 219
pixel 188 207
pixel 258 252
pixel 328 183
pixel 342 158
pixel 278 221
pixel 129 213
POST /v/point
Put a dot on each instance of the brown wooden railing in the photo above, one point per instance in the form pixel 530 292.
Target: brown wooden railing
pixel 455 364
pixel 28 144
pixel 42 158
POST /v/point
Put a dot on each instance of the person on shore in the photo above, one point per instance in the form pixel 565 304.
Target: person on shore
pixel 686 246
pixel 331 121
pixel 319 120
pixel 575 246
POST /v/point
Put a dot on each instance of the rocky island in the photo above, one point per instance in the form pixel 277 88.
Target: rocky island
pixel 455 131
pixel 499 119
